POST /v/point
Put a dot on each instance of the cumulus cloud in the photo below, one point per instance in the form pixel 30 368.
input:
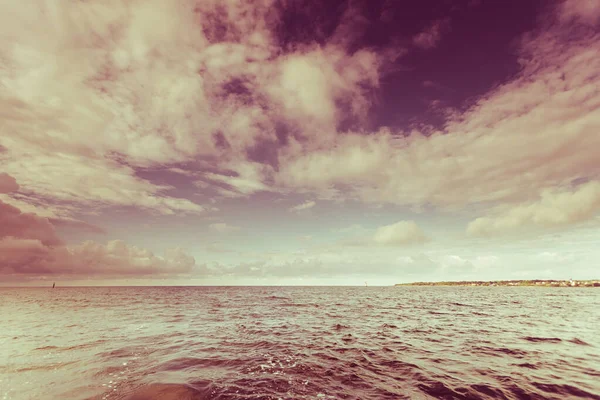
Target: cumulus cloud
pixel 352 160
pixel 89 259
pixel 29 244
pixel 308 204
pixel 384 263
pixel 388 265
pixel 116 257
pixel 587 11
pixel 293 266
pixel 232 100
pixel 36 250
pixel 209 82
pixel 533 133
pixel 259 117
pixel 97 94
pixel 554 208
pixel 400 233
pixel 222 227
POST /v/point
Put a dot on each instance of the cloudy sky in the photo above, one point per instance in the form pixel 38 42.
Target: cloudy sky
pixel 226 142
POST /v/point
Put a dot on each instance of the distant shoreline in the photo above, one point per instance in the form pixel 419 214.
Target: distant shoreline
pixel 536 282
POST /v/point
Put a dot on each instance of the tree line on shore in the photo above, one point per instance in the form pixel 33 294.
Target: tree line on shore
pixel 534 282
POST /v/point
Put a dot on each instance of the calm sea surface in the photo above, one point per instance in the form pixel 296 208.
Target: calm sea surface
pixel 300 343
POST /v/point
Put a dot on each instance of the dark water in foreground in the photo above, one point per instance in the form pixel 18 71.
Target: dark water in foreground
pixel 300 343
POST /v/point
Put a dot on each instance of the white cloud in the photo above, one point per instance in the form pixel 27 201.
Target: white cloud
pixel 587 11
pixel 534 133
pixel 554 208
pixel 91 259
pixel 400 233
pixel 97 94
pixel 97 182
pixel 219 95
pixel 246 178
pixel 93 92
pixel 308 204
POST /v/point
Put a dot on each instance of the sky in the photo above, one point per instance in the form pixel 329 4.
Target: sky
pixel 298 142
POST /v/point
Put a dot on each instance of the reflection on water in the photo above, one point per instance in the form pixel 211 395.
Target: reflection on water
pixel 300 343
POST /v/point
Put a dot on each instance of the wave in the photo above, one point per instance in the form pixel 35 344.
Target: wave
pixel 579 342
pixel 166 391
pixel 191 362
pixel 527 365
pixel 460 304
pixel 47 367
pixel 47 348
pixel 565 390
pixel 534 339
pixel 502 351
pixel 264 344
pixel 278 298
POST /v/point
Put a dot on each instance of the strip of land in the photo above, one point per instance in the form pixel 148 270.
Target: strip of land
pixel 536 282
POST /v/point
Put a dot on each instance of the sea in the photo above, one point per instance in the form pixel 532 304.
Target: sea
pixel 167 343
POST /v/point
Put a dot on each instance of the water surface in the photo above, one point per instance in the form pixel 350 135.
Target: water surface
pixel 300 343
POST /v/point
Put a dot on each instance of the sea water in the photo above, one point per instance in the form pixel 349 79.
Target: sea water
pixel 299 343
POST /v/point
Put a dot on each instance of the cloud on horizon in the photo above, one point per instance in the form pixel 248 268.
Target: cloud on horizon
pixel 30 245
pixel 555 208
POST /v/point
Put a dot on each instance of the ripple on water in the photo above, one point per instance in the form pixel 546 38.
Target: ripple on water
pixel 534 339
pixel 301 343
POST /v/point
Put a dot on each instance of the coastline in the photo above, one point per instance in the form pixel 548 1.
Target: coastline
pixel 534 282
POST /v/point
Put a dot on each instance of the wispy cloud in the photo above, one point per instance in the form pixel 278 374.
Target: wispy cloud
pixel 555 208
pixel 432 35
pixel 400 233
pixel 308 204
